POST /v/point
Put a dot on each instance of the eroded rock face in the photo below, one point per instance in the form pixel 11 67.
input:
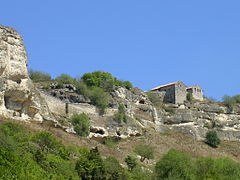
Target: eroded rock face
pixel 196 119
pixel 18 97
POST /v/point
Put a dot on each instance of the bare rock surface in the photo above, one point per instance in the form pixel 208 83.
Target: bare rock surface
pixel 197 118
pixel 19 99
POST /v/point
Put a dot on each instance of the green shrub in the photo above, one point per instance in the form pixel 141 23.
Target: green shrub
pixel 65 79
pixel 47 143
pixel 231 101
pixel 81 124
pixel 104 80
pixel 114 170
pixel 175 165
pixel 99 98
pixel 58 168
pixel 11 133
pixel 14 130
pixel 97 78
pixel 38 76
pixel 90 166
pixel 190 96
pixel 212 139
pixel 125 84
pixel 131 162
pixel 139 173
pixel 145 151
pixel 169 110
pixel 121 116
pixel 222 168
pixel 10 164
pixel 83 89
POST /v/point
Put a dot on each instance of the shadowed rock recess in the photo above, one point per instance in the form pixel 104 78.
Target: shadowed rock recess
pixel 19 99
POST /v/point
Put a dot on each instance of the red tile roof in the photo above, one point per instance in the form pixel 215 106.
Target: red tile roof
pixel 195 86
pixel 189 87
pixel 156 88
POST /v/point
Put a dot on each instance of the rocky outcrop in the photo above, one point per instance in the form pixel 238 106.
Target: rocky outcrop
pixel 197 118
pixel 18 97
pixel 66 93
pixel 140 111
pixel 68 97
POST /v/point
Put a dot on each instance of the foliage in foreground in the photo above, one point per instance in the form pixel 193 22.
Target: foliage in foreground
pixel 25 155
pixel 175 165
pixel 32 156
pixel 180 166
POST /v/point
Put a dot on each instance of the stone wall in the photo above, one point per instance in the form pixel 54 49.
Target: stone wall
pixel 169 93
pixel 174 93
pixel 58 107
pixel 180 93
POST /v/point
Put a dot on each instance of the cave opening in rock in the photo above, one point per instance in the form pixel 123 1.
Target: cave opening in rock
pixel 6 101
pixel 97 131
pixel 118 133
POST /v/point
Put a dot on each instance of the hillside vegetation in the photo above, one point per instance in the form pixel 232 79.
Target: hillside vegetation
pixel 31 155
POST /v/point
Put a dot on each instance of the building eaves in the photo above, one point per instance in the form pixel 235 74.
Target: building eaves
pixel 165 85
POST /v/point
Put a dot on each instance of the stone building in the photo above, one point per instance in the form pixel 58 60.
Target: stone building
pixel 176 92
pixel 196 91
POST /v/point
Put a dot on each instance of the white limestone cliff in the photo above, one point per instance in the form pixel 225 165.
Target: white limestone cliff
pixel 19 99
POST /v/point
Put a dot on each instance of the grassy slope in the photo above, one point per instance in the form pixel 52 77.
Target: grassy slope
pixel 161 142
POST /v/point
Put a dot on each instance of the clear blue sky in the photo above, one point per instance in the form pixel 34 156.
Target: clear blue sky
pixel 149 43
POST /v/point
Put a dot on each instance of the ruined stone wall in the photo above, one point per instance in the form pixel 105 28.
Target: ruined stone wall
pixel 59 107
